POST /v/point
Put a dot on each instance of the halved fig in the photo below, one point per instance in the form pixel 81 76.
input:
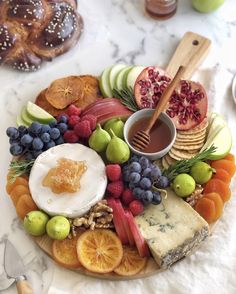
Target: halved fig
pixel 63 92
pixel 187 106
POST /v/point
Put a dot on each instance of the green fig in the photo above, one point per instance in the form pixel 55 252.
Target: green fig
pixel 117 150
pixel 116 125
pixel 99 139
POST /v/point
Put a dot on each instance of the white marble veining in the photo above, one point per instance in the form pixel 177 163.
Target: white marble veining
pixel 121 31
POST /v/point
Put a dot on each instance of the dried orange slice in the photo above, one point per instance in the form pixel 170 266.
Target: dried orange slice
pixel 131 263
pixel 99 251
pixel 63 92
pixel 65 253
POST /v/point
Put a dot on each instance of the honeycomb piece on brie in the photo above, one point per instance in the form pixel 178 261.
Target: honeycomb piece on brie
pixel 65 177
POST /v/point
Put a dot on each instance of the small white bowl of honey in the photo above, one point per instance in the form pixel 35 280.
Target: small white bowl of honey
pixel 162 134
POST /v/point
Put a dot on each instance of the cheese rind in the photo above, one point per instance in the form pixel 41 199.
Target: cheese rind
pixel 172 229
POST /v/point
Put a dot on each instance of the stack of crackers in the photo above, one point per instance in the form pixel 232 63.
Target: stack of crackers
pixel 187 144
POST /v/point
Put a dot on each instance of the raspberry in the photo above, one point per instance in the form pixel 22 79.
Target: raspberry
pixel 127 196
pixel 113 172
pixel 73 120
pixel 115 188
pixel 92 120
pixel 70 137
pixel 136 207
pixel 83 129
pixel 73 110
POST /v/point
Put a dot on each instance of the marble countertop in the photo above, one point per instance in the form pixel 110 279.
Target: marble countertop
pixel 121 31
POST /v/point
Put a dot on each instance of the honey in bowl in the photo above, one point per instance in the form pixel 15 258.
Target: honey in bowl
pixel 160 134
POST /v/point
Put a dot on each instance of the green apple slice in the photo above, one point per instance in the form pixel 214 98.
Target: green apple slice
pixel 25 117
pixel 20 122
pixel 104 83
pixel 114 72
pixel 37 113
pixel 133 74
pixel 120 82
pixel 223 142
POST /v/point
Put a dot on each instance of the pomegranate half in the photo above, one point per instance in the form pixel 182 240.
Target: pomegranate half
pixel 187 106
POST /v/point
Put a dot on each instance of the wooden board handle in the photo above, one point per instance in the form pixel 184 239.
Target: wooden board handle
pixel 23 287
pixel 190 53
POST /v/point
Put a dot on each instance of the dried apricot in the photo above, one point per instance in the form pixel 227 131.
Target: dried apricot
pixel 18 181
pixel 222 175
pixel 17 192
pixel 206 208
pixel 24 205
pixel 218 203
pixel 218 186
pixel 230 157
pixel 227 165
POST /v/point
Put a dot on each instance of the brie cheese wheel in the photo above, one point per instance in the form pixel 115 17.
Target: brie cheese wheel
pixel 92 183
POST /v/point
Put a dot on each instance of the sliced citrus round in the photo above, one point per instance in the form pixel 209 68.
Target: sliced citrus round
pixel 131 263
pixel 65 253
pixel 99 251
pixel 63 92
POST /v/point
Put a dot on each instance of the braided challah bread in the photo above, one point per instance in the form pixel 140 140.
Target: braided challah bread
pixel 35 30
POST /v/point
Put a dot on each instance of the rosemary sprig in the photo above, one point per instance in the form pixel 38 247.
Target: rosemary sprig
pixel 184 165
pixel 20 167
pixel 126 96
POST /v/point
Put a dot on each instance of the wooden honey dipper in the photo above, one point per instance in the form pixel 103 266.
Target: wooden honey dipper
pixel 142 138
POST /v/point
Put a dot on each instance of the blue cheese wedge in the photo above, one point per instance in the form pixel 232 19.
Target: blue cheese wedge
pixel 172 229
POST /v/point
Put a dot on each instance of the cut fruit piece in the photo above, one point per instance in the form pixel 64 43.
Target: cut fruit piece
pixel 104 83
pixel 230 157
pixel 37 113
pixel 99 251
pixel 122 213
pixel 113 74
pixel 17 192
pixel 206 208
pixel 217 186
pixel 138 238
pixel 63 92
pixel 133 75
pixel 24 205
pixel 222 175
pixel 215 197
pixel 18 181
pixel 131 262
pixel 222 141
pixel 20 122
pixel 120 82
pixel 65 251
pixel 117 220
pixel 225 164
pixel 25 117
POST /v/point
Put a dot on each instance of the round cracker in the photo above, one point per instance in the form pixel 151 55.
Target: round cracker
pixel 179 154
pixel 202 126
pixel 169 159
pixel 164 163
pixel 188 147
pixel 196 136
pixel 190 142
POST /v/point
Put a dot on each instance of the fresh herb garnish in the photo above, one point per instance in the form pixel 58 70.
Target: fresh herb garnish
pixel 20 167
pixel 184 165
pixel 126 96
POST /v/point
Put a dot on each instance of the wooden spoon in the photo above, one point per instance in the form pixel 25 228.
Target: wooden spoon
pixel 142 138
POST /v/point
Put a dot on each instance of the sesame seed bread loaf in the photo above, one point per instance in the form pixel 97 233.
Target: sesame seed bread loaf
pixel 35 30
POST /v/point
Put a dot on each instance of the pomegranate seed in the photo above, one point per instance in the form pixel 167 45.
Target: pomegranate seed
pixel 156 89
pixel 147 84
pixel 143 91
